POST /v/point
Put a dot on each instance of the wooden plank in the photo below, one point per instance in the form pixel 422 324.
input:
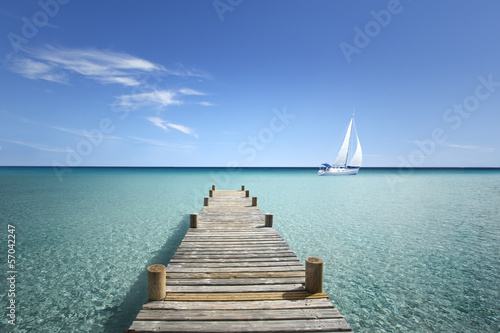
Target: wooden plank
pixel 250 264
pixel 173 268
pixel 236 281
pixel 240 305
pixel 233 260
pixel 317 325
pixel 221 315
pixel 234 275
pixel 235 288
pixel 239 296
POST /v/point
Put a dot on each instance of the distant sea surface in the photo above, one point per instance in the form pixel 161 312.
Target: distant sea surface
pixel 404 251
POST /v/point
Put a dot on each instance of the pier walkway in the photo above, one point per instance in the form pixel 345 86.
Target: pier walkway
pixel 231 273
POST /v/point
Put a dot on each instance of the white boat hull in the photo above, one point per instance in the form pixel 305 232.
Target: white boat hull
pixel 338 172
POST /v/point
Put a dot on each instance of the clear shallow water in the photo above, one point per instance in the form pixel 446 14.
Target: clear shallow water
pixel 404 251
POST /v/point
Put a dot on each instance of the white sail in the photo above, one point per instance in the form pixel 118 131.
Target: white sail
pixel 358 155
pixel 342 156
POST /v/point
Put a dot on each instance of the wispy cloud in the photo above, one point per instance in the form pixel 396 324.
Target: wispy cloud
pixel 162 143
pixel 165 125
pixel 157 98
pixel 40 146
pixel 85 133
pixel 56 64
pixel 38 70
pixel 472 147
pixel 188 91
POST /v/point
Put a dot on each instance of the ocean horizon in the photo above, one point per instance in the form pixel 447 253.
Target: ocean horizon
pixel 415 250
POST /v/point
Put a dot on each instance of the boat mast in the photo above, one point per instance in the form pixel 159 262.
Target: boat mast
pixel 349 142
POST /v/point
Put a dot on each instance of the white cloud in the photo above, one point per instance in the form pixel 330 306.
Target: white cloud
pixel 159 98
pixel 56 63
pixel 162 143
pixel 188 91
pixel 165 125
pixel 206 104
pixel 40 146
pixel 84 133
pixel 37 70
pixel 472 147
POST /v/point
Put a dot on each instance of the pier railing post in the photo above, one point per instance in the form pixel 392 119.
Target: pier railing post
pixel 193 220
pixel 314 275
pixel 213 187
pixel 247 193
pixel 254 201
pixel 242 187
pixel 205 201
pixel 157 282
pixel 211 193
pixel 269 220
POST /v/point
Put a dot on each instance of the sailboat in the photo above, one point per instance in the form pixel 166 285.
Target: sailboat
pixel 342 165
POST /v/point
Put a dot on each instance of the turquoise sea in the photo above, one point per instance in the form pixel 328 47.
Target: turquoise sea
pixel 404 251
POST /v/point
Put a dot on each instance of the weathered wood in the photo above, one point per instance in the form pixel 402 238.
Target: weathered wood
pixel 235 288
pixel 156 282
pixel 311 303
pixel 221 315
pixel 269 220
pixel 314 275
pixel 194 220
pixel 244 296
pixel 313 325
pixel 233 272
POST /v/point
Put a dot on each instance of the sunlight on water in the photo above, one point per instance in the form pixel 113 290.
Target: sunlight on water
pixel 414 252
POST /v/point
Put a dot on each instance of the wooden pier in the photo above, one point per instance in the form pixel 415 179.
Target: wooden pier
pixel 234 273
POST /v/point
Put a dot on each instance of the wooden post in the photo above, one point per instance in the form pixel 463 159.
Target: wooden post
pixel 247 193
pixel 242 187
pixel 211 193
pixel 314 275
pixel 194 220
pixel 157 282
pixel 213 187
pixel 254 201
pixel 269 220
pixel 205 201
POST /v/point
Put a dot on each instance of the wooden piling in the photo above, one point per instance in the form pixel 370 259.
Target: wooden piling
pixel 213 187
pixel 194 220
pixel 269 220
pixel 205 201
pixel 211 193
pixel 254 201
pixel 247 194
pixel 314 275
pixel 242 187
pixel 157 282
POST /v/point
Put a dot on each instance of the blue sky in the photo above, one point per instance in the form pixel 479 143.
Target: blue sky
pixel 249 83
